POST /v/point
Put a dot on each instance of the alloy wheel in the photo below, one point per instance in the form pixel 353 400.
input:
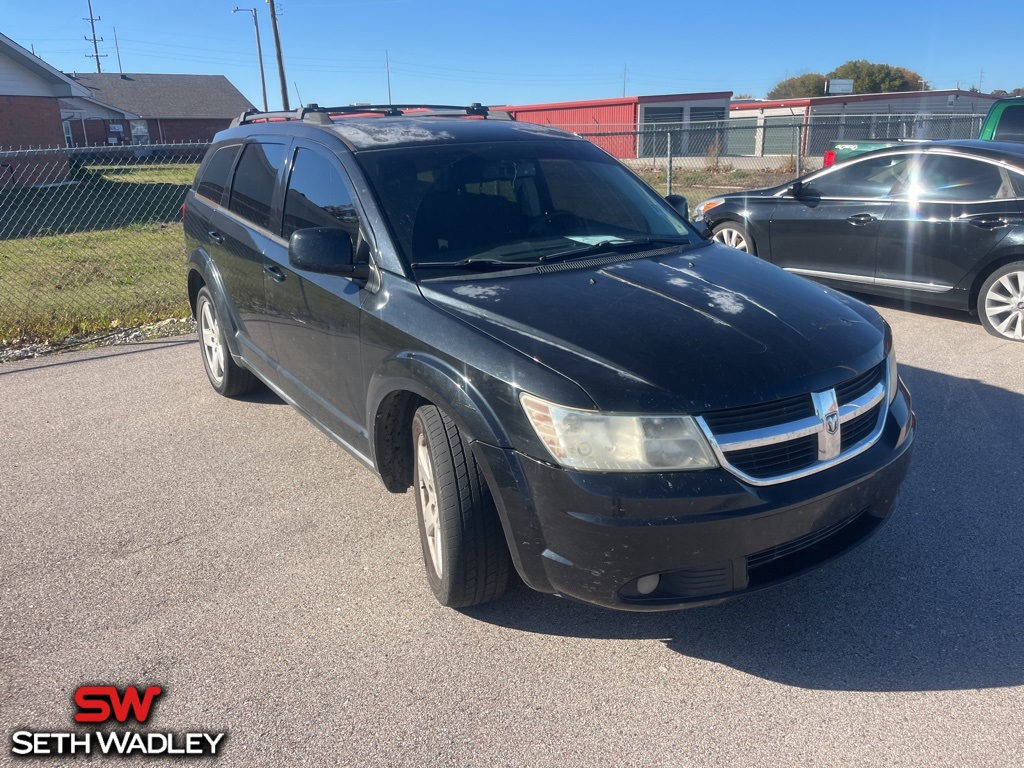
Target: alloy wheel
pixel 733 238
pixel 1004 305
pixel 213 344
pixel 427 490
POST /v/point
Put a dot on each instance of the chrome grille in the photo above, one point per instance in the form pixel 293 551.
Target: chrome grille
pixel 785 439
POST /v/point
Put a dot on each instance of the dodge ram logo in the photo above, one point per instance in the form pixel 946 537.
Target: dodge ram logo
pixel 826 407
pixel 832 423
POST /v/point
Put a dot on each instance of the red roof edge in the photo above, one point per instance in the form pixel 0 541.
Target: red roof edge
pixel 620 101
pixel 850 97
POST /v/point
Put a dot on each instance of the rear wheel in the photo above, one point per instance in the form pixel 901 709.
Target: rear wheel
pixel 1001 302
pixel 464 550
pixel 735 236
pixel 225 375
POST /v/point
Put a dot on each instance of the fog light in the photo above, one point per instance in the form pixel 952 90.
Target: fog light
pixel 647 584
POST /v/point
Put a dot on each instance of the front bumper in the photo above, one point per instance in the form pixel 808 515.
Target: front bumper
pixel 706 535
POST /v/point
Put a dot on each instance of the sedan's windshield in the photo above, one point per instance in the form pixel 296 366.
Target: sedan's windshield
pixel 522 202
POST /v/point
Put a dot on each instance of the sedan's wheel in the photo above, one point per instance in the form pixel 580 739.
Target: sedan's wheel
pixel 225 375
pixel 1001 302
pixel 735 236
pixel 464 549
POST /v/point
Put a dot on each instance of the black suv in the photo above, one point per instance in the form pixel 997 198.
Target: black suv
pixel 573 381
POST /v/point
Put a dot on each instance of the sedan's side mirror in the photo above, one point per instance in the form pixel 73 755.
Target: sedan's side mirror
pixel 327 250
pixel 679 203
pixel 796 189
pixel 702 229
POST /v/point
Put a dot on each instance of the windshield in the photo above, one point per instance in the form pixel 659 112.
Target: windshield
pixel 516 202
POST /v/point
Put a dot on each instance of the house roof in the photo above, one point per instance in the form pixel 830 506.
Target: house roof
pixel 80 105
pixel 197 97
pixel 61 84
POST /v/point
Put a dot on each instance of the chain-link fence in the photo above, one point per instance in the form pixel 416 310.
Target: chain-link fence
pixel 91 238
pixel 782 143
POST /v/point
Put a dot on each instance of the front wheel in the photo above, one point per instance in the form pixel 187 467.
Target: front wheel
pixel 1001 302
pixel 735 236
pixel 464 550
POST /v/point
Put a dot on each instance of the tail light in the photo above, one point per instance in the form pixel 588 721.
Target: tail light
pixel 830 158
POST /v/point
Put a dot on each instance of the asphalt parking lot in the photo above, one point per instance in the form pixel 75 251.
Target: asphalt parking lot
pixel 155 533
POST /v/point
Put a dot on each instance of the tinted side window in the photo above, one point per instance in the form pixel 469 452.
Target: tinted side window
pixel 1017 179
pixel 1011 124
pixel 317 196
pixel 214 180
pixel 872 178
pixel 958 179
pixel 253 189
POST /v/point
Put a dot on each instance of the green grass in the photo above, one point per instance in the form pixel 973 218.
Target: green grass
pixel 179 173
pixel 99 197
pixel 78 283
pixel 104 250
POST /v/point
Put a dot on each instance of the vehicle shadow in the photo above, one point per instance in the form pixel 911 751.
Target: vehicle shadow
pixel 933 602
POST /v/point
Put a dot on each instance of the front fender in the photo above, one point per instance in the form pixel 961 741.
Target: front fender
pixel 436 380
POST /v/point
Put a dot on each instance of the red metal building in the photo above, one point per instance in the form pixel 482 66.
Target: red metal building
pixel 615 124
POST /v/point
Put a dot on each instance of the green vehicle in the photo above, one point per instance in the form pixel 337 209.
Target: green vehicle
pixel 1004 122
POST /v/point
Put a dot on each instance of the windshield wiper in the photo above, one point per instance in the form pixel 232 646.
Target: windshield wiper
pixel 612 244
pixel 471 262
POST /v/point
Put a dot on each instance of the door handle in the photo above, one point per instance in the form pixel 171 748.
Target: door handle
pixel 859 219
pixel 216 236
pixel 275 272
pixel 988 222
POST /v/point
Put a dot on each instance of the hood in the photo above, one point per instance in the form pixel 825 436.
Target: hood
pixel 704 329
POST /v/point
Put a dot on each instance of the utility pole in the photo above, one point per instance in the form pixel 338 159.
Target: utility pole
pixel 259 53
pixel 280 56
pixel 624 81
pixel 118 49
pixel 387 65
pixel 94 40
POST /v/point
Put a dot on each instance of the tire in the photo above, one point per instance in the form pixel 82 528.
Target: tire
pixel 735 236
pixel 1001 302
pixel 225 375
pixel 464 550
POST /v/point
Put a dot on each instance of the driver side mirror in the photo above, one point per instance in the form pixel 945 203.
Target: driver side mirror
pixel 327 250
pixel 796 189
pixel 680 204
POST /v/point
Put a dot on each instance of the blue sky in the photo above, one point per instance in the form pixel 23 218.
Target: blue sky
pixel 526 51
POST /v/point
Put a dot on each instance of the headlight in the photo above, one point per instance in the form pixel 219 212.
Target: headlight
pixel 894 377
pixel 600 442
pixel 707 205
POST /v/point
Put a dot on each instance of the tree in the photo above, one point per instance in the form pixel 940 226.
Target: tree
pixel 877 78
pixel 799 87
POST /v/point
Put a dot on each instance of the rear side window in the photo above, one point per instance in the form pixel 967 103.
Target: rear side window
pixel 870 179
pixel 1011 124
pixel 317 196
pixel 213 183
pixel 959 179
pixel 253 188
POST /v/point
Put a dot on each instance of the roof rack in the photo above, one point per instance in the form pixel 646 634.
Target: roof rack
pixel 314 113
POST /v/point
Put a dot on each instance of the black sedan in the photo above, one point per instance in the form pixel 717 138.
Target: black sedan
pixel 940 223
